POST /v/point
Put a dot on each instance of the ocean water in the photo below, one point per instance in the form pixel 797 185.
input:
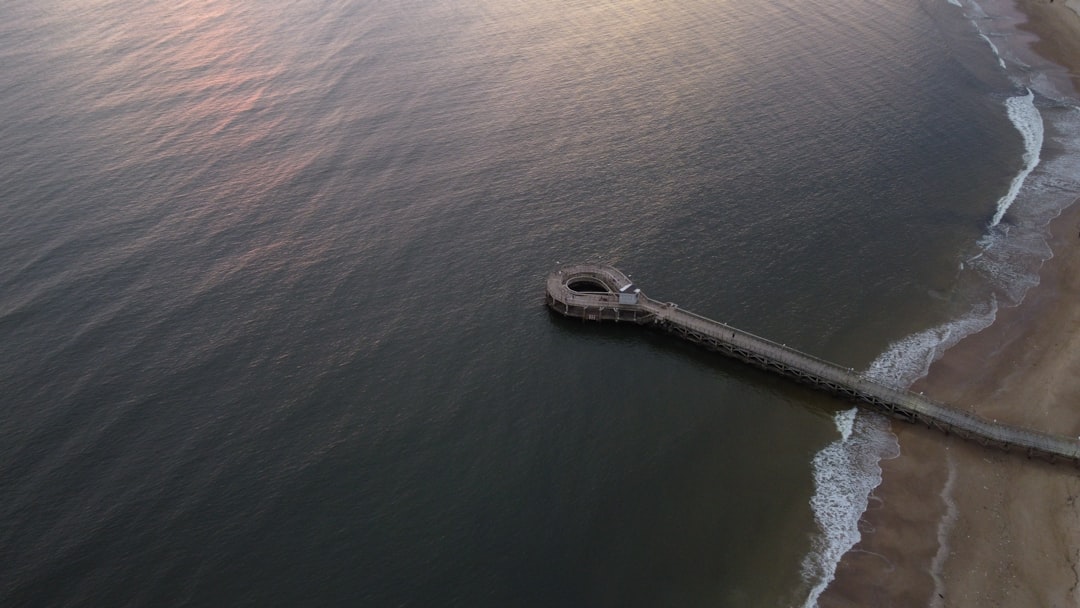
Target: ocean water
pixel 271 286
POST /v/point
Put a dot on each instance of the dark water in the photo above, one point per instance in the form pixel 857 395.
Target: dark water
pixel 271 290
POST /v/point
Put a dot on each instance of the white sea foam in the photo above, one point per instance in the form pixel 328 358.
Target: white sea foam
pixel 994 48
pixel 909 358
pixel 845 473
pixel 845 423
pixel 1011 253
pixel 1028 121
pixel 1008 261
pixel 977 11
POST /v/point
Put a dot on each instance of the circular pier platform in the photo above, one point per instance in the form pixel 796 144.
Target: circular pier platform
pixel 596 292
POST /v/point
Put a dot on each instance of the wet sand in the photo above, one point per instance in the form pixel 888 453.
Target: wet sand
pixel 955 524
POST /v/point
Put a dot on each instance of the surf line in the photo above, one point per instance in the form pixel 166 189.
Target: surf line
pixel 1028 121
pixel 597 292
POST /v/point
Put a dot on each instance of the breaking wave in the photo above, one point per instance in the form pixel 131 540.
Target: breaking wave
pixel 1028 121
pixel 845 472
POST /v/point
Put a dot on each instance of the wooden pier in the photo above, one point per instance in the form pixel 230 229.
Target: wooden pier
pixel 602 293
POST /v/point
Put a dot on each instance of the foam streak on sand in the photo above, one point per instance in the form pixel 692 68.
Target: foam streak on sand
pixel 945 526
pixel 1028 121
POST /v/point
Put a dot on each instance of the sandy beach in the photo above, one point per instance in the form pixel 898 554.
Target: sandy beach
pixel 953 523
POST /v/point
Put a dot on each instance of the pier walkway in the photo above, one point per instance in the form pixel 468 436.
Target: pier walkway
pixel 602 293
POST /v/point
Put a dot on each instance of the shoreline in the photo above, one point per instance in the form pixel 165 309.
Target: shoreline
pixel 1055 26
pixel 957 524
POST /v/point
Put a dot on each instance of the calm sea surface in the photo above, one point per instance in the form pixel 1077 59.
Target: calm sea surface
pixel 271 286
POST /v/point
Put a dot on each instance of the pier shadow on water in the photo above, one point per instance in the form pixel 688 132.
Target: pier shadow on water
pixel 729 370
